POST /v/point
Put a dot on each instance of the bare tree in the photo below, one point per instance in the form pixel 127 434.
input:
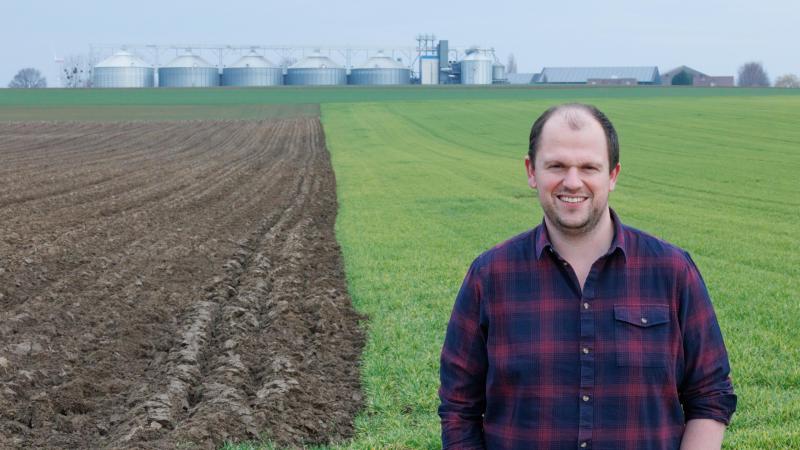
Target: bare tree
pixel 511 66
pixel 28 78
pixel 76 72
pixel 789 80
pixel 752 74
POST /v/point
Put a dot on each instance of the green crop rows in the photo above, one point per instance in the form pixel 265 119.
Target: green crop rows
pixel 429 178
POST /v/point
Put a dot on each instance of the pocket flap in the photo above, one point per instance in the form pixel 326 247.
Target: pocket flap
pixel 642 316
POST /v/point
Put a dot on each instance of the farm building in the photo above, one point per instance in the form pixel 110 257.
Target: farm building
pixel 646 75
pixel 687 76
pixel 522 78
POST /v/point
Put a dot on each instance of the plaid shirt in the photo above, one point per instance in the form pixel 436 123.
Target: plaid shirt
pixel 532 362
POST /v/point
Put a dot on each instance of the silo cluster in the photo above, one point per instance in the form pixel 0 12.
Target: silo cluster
pixel 477 67
pixel 123 70
pixel 188 71
pixel 380 70
pixel 316 70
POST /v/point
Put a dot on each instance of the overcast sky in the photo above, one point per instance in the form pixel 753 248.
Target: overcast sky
pixel 713 36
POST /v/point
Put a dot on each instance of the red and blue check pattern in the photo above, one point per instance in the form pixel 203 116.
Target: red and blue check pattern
pixel 531 361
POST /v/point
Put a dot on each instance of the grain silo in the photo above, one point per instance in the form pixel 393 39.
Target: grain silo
pixel 252 70
pixel 476 68
pixel 316 70
pixel 499 74
pixel 380 70
pixel 123 70
pixel 188 71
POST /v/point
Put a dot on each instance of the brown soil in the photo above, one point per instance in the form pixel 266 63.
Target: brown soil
pixel 170 285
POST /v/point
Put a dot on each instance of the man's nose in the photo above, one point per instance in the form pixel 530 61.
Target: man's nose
pixel 572 179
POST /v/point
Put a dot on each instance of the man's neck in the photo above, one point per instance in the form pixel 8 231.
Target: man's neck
pixel 584 248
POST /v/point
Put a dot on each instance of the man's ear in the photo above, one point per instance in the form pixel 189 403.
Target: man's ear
pixel 531 172
pixel 613 176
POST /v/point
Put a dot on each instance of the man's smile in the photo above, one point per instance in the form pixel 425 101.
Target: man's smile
pixel 572 198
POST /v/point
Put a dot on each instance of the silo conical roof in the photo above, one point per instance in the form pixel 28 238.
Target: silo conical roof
pixel 185 61
pixel 381 61
pixel 123 59
pixel 315 60
pixel 253 60
pixel 478 56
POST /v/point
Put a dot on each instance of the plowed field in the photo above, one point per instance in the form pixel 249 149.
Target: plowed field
pixel 170 284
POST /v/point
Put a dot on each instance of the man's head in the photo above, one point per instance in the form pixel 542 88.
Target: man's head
pixel 573 163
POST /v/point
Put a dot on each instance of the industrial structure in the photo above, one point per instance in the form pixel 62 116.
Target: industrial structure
pixel 123 70
pixel 687 76
pixel 647 75
pixel 252 70
pixel 381 69
pixel 188 70
pixel 316 70
pixel 431 62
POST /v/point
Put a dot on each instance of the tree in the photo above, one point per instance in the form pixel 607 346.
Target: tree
pixel 511 67
pixel 28 78
pixel 788 81
pixel 752 74
pixel 76 71
pixel 683 78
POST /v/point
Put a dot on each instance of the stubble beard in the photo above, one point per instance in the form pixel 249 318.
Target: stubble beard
pixel 572 229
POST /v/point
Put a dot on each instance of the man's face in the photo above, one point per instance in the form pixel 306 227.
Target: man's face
pixel 571 172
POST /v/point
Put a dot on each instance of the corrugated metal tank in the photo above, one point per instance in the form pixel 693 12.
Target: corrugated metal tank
pixel 380 70
pixel 252 70
pixel 188 71
pixel 123 70
pixel 499 74
pixel 476 68
pixel 316 70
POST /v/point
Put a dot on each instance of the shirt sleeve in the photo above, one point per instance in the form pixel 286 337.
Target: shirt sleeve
pixel 463 369
pixel 706 391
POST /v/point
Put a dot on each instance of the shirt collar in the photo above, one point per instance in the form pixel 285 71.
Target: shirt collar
pixel 542 238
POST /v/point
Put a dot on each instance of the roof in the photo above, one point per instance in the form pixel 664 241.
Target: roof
pixel 645 74
pixel 381 61
pixel 123 59
pixel 520 78
pixel 253 60
pixel 680 69
pixel 184 61
pixel 315 61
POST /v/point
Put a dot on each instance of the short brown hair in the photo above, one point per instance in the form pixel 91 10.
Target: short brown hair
pixel 612 142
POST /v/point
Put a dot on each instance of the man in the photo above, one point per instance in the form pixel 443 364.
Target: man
pixel 583 332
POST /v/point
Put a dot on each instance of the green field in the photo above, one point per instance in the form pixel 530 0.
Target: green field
pixel 426 186
pixel 429 178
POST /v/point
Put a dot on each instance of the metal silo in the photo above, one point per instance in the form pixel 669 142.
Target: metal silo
pixel 252 70
pixel 499 74
pixel 123 70
pixel 316 70
pixel 476 68
pixel 380 70
pixel 188 71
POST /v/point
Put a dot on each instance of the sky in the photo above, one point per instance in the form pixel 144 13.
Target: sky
pixel 713 36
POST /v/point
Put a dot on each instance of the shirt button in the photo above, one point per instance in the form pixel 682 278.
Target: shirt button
pixel 585 305
pixel 583 444
pixel 644 320
pixel 585 351
pixel 586 398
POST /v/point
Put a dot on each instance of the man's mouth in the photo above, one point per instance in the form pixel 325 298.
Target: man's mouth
pixel 572 198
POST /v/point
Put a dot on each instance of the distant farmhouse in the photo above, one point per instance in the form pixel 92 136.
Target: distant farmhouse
pixel 687 76
pixel 601 76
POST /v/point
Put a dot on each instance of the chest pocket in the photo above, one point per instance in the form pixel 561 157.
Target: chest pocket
pixel 641 335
